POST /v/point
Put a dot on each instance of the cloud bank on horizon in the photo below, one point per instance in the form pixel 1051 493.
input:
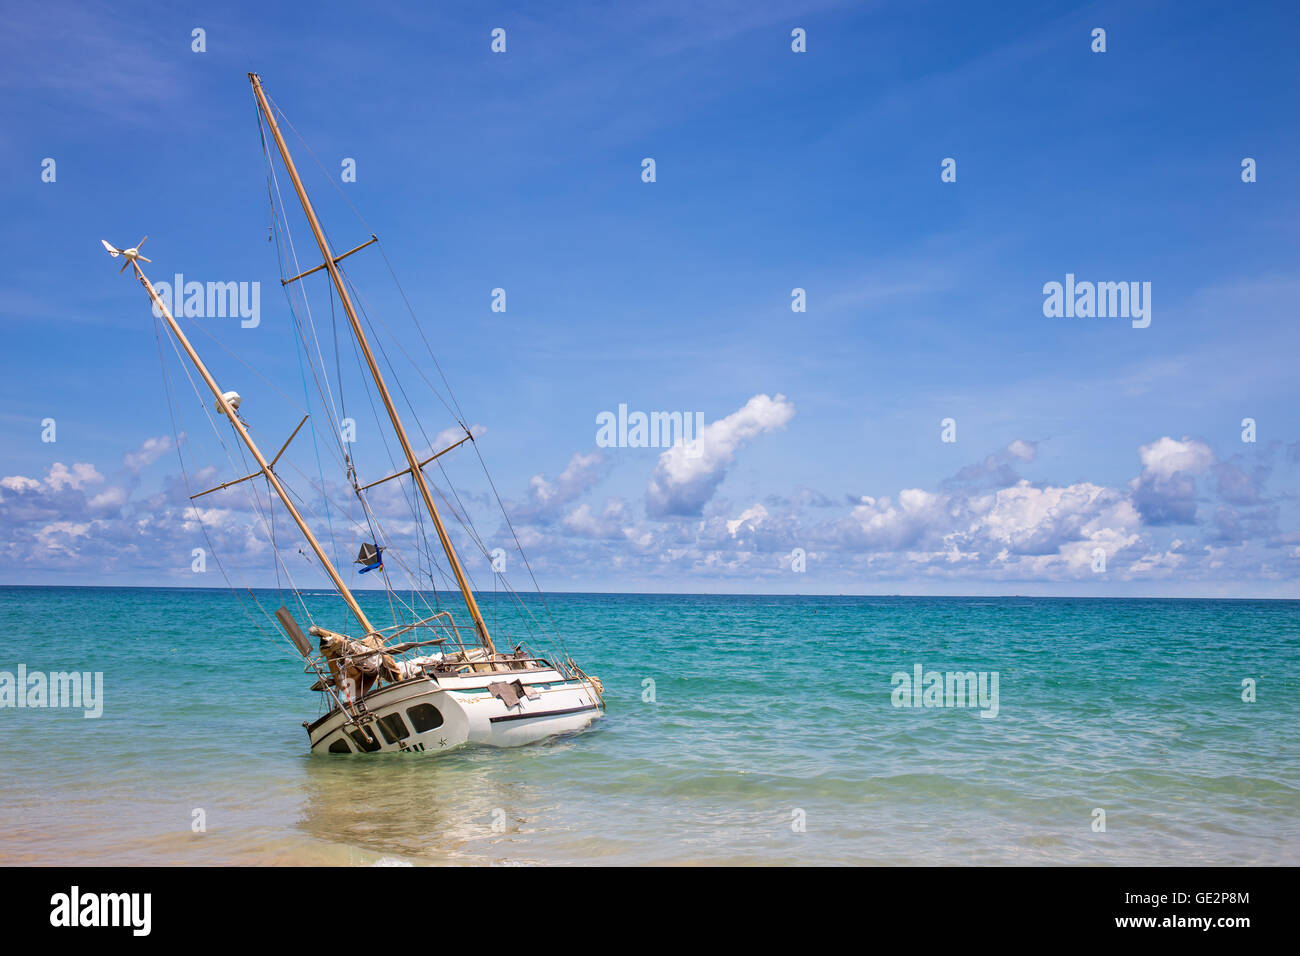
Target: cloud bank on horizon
pixel 1188 515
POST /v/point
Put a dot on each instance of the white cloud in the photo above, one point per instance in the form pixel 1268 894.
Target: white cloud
pixel 612 523
pixel 882 526
pixel 150 451
pixel 110 498
pixel 1031 520
pixel 60 537
pixel 686 476
pixel 1024 450
pixel 581 474
pixel 1165 492
pixel 79 476
pixel 752 516
pixel 1166 457
pixel 19 483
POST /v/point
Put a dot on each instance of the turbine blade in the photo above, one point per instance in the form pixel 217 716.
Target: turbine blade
pixel 141 243
pixel 124 265
pixel 143 258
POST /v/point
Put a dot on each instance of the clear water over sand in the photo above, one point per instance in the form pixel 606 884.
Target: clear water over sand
pixel 766 710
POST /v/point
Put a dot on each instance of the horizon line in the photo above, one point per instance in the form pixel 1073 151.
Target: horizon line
pixel 759 594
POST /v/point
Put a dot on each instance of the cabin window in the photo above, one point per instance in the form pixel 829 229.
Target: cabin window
pixel 393 728
pixel 367 744
pixel 424 717
pixel 340 746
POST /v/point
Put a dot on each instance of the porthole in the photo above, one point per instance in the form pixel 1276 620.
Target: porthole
pixel 393 728
pixel 424 717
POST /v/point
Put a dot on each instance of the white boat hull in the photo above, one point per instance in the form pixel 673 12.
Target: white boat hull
pixel 427 715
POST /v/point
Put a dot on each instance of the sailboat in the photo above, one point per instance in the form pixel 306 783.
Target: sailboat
pixel 426 683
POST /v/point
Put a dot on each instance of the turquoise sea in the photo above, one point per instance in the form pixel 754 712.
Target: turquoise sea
pixel 740 729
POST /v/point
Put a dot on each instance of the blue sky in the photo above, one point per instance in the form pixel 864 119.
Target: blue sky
pixel 775 170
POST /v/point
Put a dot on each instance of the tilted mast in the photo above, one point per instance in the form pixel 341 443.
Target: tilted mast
pixel 331 264
pixel 228 410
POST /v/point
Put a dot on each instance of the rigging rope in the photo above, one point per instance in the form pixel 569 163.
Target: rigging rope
pixel 310 354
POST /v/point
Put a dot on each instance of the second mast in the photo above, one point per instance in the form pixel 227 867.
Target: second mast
pixel 337 277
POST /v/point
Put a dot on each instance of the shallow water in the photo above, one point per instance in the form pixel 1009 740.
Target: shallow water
pixel 766 712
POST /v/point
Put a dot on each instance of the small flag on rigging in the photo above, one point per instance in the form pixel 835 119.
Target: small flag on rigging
pixel 372 557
